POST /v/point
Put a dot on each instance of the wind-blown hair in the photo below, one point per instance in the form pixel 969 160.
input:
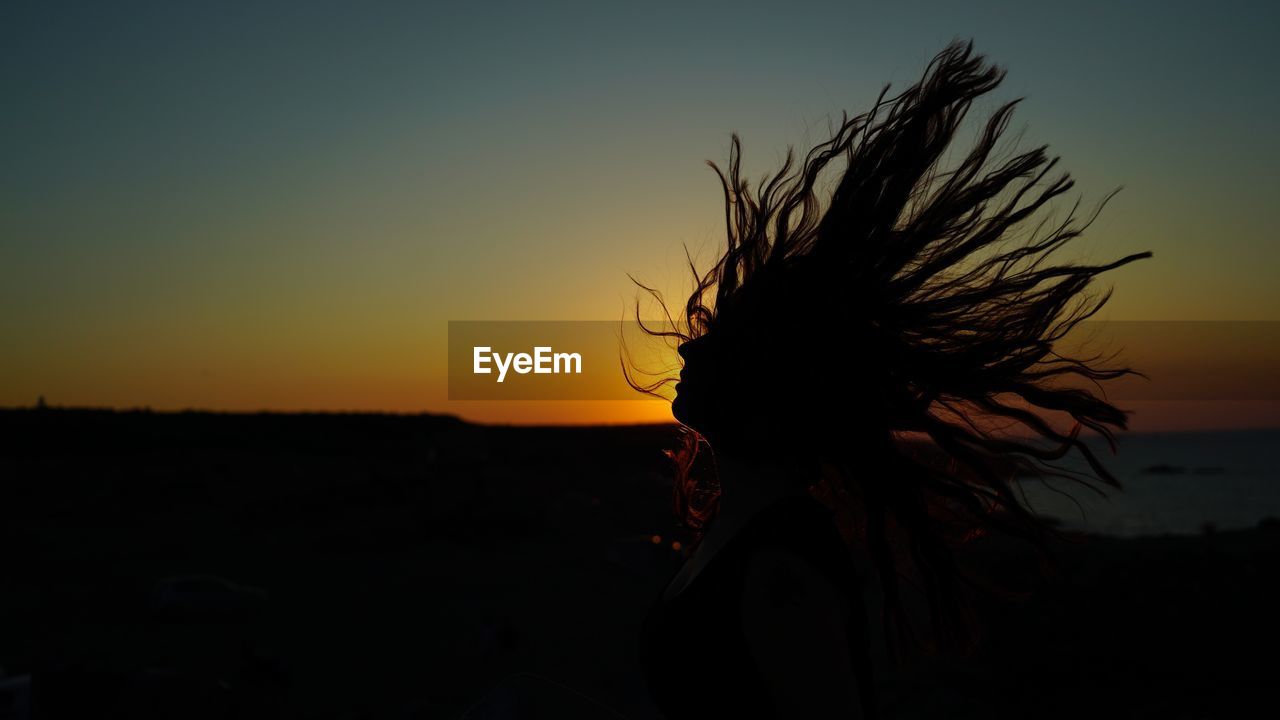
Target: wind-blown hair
pixel 935 267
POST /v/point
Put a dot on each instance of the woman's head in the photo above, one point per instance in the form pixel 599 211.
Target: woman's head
pixel 773 369
pixel 892 283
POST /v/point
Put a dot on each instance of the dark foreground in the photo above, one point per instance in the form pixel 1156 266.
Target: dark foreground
pixel 342 566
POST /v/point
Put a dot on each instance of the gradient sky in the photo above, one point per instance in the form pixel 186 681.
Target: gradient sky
pixel 280 205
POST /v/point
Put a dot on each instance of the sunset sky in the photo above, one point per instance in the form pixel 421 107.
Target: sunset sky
pixel 281 205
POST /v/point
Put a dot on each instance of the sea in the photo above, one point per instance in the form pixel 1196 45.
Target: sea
pixel 1171 483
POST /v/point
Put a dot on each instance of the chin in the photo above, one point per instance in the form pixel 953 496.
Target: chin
pixel 685 408
pixel 680 408
pixel 690 412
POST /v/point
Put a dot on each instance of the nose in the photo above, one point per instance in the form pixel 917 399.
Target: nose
pixel 689 348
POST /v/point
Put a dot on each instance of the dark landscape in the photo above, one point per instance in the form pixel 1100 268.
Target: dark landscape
pixel 400 566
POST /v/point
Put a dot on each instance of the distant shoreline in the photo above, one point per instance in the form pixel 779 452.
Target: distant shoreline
pixel 143 410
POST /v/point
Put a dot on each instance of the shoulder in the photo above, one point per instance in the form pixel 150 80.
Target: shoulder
pixel 778 577
pixel 795 621
pixel 798 546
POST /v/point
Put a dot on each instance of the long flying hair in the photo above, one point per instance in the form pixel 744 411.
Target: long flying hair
pixel 951 268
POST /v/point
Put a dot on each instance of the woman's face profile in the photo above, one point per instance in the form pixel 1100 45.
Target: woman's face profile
pixel 713 391
pixel 696 392
pixel 721 393
pixel 758 374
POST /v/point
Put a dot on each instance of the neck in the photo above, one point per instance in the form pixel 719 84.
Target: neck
pixel 747 486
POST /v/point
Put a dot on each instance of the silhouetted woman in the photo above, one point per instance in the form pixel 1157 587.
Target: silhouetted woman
pixel 918 298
